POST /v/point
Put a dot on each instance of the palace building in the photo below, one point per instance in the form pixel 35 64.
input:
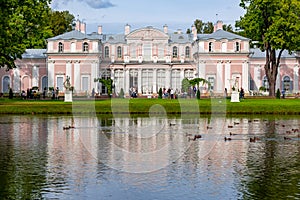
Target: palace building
pixel 147 59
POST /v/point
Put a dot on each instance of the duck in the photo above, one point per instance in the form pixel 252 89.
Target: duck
pixel 208 127
pixel 254 139
pixel 195 137
pixel 230 126
pixel 236 123
pixel 227 138
pixel 286 138
pixel 172 124
pixel 231 134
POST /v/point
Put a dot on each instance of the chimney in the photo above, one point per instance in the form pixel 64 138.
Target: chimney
pixel 165 29
pixel 82 27
pixel 218 26
pixel 100 30
pixel 194 31
pixel 127 29
pixel 77 26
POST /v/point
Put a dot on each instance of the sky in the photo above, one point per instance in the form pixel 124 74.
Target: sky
pixel 113 15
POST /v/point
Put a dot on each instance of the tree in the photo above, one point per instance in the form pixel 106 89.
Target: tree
pixel 61 22
pixel 275 25
pixel 23 25
pixel 108 84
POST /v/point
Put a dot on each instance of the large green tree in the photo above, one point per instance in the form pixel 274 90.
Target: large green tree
pixel 22 25
pixel 275 25
pixel 61 22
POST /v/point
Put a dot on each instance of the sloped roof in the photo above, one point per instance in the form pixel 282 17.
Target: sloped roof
pixel 77 35
pixel 180 38
pixel 258 53
pixel 113 38
pixel 34 53
pixel 221 34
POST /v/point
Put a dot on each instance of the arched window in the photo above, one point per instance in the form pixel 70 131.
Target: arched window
pixel 60 47
pixel 237 46
pixel 119 52
pixel 44 82
pixel 106 52
pixel 85 47
pixel 5 84
pixel 187 52
pixel 73 47
pixel 266 83
pixel 210 47
pixel 175 52
pixel 287 84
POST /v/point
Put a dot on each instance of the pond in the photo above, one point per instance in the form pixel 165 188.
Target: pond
pixel 97 157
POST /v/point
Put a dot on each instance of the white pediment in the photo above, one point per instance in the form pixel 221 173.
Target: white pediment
pixel 148 33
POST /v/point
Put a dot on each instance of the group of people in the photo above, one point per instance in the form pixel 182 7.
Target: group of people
pixel 35 94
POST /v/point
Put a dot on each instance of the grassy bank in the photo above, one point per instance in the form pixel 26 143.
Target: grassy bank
pixel 142 106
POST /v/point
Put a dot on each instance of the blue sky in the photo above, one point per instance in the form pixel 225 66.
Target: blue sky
pixel 113 15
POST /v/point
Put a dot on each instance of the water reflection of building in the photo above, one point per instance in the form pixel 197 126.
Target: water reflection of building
pixel 147 59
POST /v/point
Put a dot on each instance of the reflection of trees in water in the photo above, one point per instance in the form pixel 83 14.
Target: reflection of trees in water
pixel 272 165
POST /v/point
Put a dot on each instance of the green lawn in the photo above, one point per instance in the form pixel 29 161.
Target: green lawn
pixel 143 106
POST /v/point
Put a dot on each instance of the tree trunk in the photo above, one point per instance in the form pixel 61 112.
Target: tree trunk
pixel 271 68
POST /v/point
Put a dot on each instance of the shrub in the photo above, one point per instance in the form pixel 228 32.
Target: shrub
pixel 198 94
pixel 11 94
pixel 160 93
pixel 121 94
pixel 278 94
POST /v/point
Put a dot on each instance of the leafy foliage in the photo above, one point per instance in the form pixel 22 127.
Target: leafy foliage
pixel 61 22
pixel 108 84
pixel 160 93
pixel 275 25
pixel 23 25
pixel 27 24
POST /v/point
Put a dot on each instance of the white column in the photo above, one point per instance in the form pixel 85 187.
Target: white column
pixel 50 69
pixel 168 78
pixel 140 81
pixel 93 75
pixel 126 81
pixel 155 81
pixel 219 77
pixel 17 80
pixel 201 71
pixel 245 76
pixel 69 69
pixel 296 79
pixel 278 80
pixel 257 78
pixel 227 75
pixel 96 66
pixel 35 76
pixel 77 76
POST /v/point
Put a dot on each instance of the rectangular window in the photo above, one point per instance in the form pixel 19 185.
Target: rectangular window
pixel 211 86
pixel 147 78
pixel 85 83
pixel 161 79
pixel 176 82
pixel 60 83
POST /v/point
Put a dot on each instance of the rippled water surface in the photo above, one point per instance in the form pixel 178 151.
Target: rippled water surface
pixel 148 158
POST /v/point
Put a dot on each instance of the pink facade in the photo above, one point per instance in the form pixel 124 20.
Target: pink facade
pixel 147 59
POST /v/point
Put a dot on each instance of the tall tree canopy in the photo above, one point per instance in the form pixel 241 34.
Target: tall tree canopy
pixel 27 24
pixel 208 27
pixel 61 22
pixel 275 25
pixel 22 26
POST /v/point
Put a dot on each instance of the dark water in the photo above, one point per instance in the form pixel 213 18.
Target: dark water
pixel 148 158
